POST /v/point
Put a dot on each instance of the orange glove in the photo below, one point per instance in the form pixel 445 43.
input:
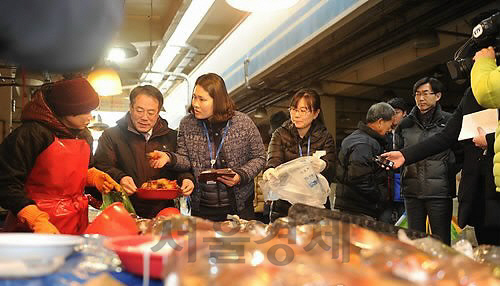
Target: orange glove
pixel 102 181
pixel 37 220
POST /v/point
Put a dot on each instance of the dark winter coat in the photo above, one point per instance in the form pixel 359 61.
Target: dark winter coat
pixel 479 203
pixel 363 185
pixel 19 151
pixel 122 152
pixel 284 147
pixel 433 177
pixel 242 151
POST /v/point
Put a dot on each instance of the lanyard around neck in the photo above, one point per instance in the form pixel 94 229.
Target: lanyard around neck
pixel 212 159
pixel 308 146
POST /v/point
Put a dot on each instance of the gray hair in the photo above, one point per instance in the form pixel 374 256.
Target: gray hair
pixel 378 111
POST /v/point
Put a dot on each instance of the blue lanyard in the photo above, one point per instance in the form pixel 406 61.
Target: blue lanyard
pixel 212 159
pixel 308 146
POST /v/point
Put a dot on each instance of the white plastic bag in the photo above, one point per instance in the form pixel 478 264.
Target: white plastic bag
pixel 298 181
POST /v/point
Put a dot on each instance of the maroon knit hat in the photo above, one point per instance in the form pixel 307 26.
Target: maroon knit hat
pixel 72 97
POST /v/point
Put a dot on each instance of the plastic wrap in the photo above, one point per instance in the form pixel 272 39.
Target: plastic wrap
pixel 298 181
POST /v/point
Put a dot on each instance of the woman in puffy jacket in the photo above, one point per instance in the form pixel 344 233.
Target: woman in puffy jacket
pixel 303 135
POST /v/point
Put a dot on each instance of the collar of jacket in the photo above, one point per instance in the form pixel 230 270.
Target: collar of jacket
pixel 437 116
pixel 212 126
pixel 159 129
pixel 313 130
pixel 363 127
pixel 38 110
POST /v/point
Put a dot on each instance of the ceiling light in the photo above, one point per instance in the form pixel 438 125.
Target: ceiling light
pixel 98 125
pixel 105 81
pixel 260 112
pixel 188 23
pixel 261 5
pixel 121 51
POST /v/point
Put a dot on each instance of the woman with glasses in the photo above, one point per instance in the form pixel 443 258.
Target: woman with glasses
pixel 303 135
pixel 216 136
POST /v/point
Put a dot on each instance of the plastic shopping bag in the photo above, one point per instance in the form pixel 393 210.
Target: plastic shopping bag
pixel 298 180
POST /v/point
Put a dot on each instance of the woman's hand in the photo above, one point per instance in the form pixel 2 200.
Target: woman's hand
pixel 187 187
pixel 158 159
pixel 230 181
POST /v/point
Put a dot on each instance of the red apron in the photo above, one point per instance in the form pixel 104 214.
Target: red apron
pixel 56 183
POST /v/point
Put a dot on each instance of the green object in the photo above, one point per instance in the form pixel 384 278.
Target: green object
pixel 117 196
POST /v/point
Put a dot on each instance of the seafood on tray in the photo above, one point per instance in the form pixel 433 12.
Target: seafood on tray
pixel 160 184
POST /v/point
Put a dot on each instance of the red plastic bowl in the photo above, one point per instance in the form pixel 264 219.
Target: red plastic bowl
pixel 158 194
pixel 132 256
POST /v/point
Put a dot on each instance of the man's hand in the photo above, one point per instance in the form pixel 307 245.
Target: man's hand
pixel 230 181
pixel 480 139
pixel 485 53
pixel 396 157
pixel 128 185
pixel 187 187
pixel 158 159
pixel 102 181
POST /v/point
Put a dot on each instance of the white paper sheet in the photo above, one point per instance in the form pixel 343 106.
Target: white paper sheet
pixel 486 119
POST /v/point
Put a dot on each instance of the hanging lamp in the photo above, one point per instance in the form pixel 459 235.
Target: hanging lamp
pixel 105 81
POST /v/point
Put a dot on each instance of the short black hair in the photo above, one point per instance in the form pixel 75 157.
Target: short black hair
pixel 437 86
pixel 399 103
pixel 277 119
pixel 148 90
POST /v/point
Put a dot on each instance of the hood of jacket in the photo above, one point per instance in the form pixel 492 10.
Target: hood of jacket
pixel 38 110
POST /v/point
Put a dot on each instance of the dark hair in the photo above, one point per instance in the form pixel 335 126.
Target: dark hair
pixel 436 85
pixel 399 103
pixel 148 90
pixel 312 99
pixel 378 111
pixel 277 119
pixel 310 96
pixel 224 106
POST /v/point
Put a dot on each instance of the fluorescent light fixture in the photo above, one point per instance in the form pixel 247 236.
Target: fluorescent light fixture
pixel 188 23
pixel 261 5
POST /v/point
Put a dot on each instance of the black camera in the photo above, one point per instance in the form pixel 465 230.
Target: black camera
pixel 383 162
pixel 485 34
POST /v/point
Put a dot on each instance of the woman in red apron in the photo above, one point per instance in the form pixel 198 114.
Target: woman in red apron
pixel 44 162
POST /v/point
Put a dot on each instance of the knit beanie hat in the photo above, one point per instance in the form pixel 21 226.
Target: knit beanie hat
pixel 72 97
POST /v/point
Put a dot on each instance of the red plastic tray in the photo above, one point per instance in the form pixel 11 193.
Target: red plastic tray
pixel 158 194
pixel 133 258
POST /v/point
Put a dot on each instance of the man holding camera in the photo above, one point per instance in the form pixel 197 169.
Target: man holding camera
pixel 485 83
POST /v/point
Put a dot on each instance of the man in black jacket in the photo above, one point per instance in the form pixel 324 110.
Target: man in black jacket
pixel 122 149
pixel 428 186
pixel 363 187
pixel 479 203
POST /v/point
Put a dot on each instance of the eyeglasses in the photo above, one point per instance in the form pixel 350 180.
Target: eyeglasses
pixel 425 93
pixel 301 111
